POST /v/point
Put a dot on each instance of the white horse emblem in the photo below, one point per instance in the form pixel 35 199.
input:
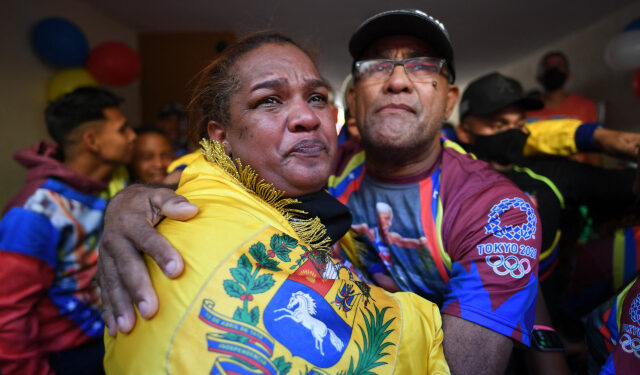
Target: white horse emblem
pixel 303 314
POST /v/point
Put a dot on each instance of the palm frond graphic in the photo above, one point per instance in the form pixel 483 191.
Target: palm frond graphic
pixel 374 335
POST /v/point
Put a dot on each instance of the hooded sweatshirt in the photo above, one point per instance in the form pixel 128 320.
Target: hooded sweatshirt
pixel 49 236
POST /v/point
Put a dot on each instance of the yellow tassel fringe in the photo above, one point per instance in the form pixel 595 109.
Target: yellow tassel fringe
pixel 310 231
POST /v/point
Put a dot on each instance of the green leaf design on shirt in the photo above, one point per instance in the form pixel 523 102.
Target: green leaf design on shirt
pixel 244 262
pixel 261 284
pixel 232 288
pixel 282 246
pixel 242 276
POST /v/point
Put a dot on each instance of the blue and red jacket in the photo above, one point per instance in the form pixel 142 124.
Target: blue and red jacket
pixel 48 251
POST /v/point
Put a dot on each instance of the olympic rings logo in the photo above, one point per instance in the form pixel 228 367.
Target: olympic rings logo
pixel 511 265
pixel 630 345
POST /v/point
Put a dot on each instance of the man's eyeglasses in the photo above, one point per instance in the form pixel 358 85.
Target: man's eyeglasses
pixel 418 69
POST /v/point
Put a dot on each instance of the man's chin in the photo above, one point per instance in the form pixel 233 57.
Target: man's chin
pixel 393 133
pixel 395 142
pixel 399 120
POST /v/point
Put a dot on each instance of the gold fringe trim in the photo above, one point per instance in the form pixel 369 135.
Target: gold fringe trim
pixel 310 231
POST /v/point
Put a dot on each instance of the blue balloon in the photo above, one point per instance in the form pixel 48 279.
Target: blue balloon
pixel 634 25
pixel 60 43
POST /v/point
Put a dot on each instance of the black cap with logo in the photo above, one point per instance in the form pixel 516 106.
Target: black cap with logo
pixel 404 22
pixel 493 92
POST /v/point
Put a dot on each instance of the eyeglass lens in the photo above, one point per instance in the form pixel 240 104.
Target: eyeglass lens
pixel 419 69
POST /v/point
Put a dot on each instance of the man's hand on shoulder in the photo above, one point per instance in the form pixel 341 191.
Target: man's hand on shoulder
pixel 128 232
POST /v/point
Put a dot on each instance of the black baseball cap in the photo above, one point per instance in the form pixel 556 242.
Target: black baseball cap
pixel 412 22
pixel 492 92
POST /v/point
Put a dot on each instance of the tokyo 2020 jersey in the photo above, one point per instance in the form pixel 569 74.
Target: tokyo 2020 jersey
pixel 458 234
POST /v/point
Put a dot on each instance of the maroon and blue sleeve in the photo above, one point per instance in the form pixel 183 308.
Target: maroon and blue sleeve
pixel 494 242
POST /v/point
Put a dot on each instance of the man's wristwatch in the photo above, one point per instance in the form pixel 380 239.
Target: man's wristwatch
pixel 546 339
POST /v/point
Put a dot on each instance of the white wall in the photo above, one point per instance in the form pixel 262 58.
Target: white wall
pixel 590 74
pixel 24 77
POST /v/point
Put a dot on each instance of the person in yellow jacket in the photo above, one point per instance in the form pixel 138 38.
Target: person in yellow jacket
pixel 260 292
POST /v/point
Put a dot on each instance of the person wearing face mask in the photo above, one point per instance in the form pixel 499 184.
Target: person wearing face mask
pixel 553 73
pixel 492 126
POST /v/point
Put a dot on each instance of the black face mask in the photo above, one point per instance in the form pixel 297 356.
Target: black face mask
pixel 553 79
pixel 503 148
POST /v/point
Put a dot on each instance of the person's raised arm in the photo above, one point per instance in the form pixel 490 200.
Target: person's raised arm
pixel 128 232
pixel 565 137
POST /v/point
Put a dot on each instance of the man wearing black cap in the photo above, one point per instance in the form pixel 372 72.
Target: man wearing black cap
pixel 559 137
pixel 479 262
pixel 482 275
pixel 482 115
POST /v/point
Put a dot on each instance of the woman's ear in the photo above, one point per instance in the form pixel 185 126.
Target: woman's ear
pixel 217 132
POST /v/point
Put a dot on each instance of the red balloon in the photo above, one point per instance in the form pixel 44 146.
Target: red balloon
pixel 114 63
pixel 636 83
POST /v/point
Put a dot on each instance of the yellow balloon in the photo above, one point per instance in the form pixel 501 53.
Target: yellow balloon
pixel 68 80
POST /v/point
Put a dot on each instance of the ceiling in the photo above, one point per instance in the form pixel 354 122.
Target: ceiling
pixel 485 34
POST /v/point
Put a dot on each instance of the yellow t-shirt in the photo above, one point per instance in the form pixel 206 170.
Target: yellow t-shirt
pixel 255 299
